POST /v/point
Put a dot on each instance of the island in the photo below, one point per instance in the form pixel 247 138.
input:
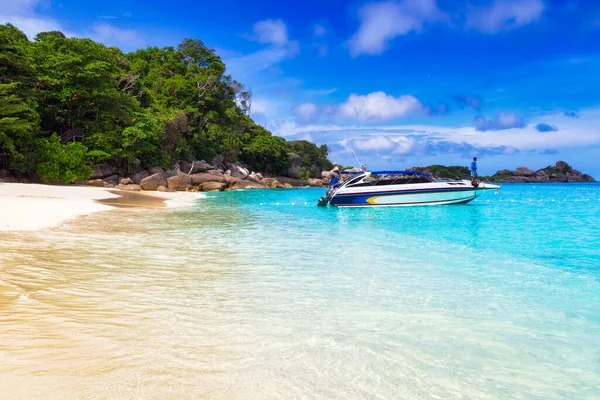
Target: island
pixel 559 172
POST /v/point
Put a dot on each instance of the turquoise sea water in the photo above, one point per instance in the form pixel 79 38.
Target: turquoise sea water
pixel 261 294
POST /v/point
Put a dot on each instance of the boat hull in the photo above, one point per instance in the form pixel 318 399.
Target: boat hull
pixel 419 197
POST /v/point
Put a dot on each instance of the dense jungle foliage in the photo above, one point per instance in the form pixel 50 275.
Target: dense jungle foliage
pixel 147 108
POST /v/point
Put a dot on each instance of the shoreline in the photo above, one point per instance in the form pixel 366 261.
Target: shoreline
pixel 33 207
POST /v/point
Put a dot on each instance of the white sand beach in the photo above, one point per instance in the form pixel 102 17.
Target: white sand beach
pixel 26 207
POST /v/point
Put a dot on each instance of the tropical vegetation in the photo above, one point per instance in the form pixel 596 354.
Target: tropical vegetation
pixel 151 107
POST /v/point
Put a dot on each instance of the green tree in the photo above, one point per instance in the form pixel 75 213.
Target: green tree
pixel 266 153
pixel 58 163
pixel 19 120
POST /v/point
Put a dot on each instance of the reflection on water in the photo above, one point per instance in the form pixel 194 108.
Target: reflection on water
pixel 231 300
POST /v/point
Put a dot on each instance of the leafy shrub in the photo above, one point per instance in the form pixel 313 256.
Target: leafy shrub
pixel 61 163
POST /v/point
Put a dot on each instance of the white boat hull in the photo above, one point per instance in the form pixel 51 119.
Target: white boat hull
pixel 427 194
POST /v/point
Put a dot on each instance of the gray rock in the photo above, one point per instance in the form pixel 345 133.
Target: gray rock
pixel 238 171
pixel 203 177
pixel 95 182
pixel 137 178
pixel 194 166
pixel 524 171
pixel 215 172
pixel 153 182
pixel 254 177
pixel 100 171
pixel 179 182
pixel 126 181
pixel 112 179
pixel 293 171
pixel 217 161
pixel 169 173
pixel 156 170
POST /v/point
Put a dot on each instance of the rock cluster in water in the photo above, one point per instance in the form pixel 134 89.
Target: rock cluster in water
pixel 560 172
pixel 201 176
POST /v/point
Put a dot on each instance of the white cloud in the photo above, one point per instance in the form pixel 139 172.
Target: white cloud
pixel 306 111
pixel 382 22
pixel 504 15
pixel 31 26
pixel 378 106
pixel 113 36
pixel 244 66
pixel 502 121
pixel 271 31
pixel 23 14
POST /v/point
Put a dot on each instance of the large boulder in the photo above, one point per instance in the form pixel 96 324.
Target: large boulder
pixel 215 172
pixel 95 182
pixel 241 184
pixel 317 182
pixel 100 171
pixel 194 166
pixel 253 177
pixel 179 182
pixel 218 162
pixel 111 179
pixel 524 171
pixel 126 181
pixel 138 176
pixel 203 177
pixel 156 170
pixel 293 171
pixel 238 171
pixel 169 173
pixel 153 182
pixel 131 188
pixel 232 180
pixel 291 181
pixel 213 186
pixel 162 189
pixel 272 183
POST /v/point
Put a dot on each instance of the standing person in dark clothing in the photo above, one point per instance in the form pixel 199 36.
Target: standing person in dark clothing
pixel 474 172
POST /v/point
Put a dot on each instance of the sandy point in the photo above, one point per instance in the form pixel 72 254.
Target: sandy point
pixel 27 207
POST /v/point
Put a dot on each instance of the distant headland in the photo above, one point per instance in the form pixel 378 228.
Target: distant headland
pixel 559 172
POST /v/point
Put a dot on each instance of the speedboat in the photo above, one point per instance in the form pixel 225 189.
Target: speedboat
pixel 401 188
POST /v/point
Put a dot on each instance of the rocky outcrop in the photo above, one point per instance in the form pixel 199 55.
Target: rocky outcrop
pixel 179 182
pixel 153 182
pixel 95 182
pixel 213 186
pixel 101 171
pixel 203 177
pixel 291 181
pixel 293 171
pixel 560 172
pixel 139 176
pixel 194 166
pixel 272 183
pixel 126 181
pixel 218 161
pixel 237 171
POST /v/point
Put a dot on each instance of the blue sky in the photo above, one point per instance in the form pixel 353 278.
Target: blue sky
pixel 406 83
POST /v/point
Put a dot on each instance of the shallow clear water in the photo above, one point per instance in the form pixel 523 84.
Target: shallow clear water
pixel 261 294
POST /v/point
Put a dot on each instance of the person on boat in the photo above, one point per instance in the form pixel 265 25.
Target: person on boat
pixel 334 181
pixel 474 172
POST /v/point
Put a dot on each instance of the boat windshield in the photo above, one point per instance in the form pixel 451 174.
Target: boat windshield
pixel 390 179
